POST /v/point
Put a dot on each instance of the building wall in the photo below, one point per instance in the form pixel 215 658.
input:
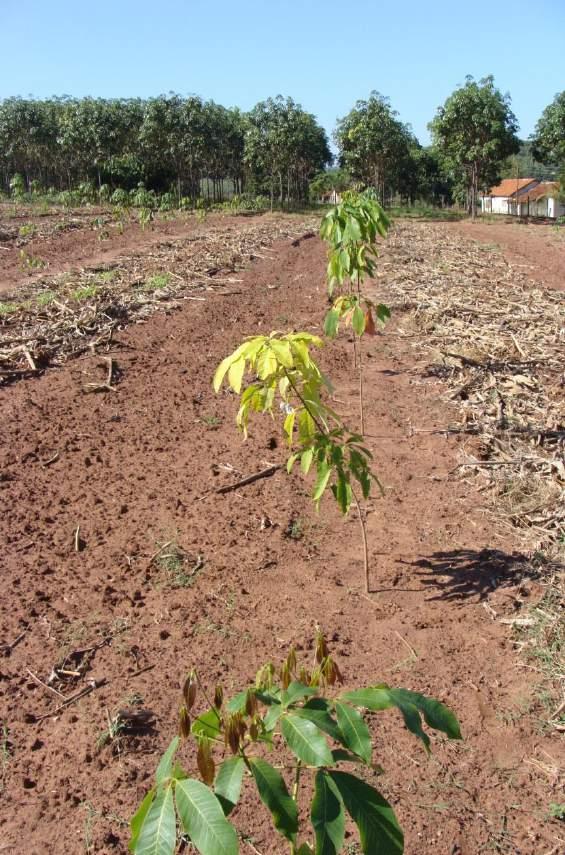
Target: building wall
pixel 500 205
pixel 555 208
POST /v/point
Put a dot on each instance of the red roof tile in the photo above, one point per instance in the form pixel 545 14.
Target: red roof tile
pixel 509 186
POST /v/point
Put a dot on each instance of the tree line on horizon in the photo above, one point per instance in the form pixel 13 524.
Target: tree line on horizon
pixel 182 144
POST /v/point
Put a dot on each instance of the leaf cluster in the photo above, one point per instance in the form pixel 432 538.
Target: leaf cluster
pixel 291 709
pixel 283 370
pixel 351 229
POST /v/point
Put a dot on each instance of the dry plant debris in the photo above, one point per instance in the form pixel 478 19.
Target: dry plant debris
pixel 498 340
pixel 62 316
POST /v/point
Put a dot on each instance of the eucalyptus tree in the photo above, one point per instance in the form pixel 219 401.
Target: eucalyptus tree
pixel 474 131
pixel 373 144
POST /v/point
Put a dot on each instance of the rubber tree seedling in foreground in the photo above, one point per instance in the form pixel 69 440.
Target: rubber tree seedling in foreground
pixel 315 736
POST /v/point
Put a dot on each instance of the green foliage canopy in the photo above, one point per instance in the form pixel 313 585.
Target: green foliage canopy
pixel 474 131
pixel 549 137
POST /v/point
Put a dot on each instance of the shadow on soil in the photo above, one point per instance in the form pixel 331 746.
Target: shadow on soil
pixel 462 573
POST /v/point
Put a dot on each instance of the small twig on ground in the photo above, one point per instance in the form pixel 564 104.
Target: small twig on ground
pixel 7 648
pixel 155 554
pixel 96 684
pixel 48 462
pixel 27 355
pixel 45 686
pixel 264 473
pixel 140 671
pixel 409 647
pixel 107 386
pixel 490 610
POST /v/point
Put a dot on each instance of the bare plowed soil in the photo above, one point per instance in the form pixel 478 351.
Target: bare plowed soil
pixel 59 243
pixel 123 567
pixel 537 249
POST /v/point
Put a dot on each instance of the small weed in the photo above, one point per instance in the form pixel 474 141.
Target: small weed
pixel 5 754
pixel 30 262
pixel 556 811
pixel 106 276
pixel 27 230
pixel 156 282
pixel 133 700
pixel 111 735
pixel 8 308
pixel 84 293
pixel 209 626
pixel 512 716
pixel 93 816
pixel 45 298
pixel 175 565
pixel 90 820
pixel 211 421
pixel 295 528
pixel 543 642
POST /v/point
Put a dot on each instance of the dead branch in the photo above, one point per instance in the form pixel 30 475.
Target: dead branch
pixel 264 473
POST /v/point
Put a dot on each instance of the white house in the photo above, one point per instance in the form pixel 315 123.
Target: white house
pixel 504 199
pixel 542 201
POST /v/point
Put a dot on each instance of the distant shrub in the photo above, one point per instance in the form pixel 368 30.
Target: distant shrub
pixel 120 197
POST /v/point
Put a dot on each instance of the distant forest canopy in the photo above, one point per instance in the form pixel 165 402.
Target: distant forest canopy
pixel 187 149
pixel 524 165
pixel 168 143
pixel 192 148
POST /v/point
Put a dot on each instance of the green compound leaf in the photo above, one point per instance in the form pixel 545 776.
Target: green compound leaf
pixel 318 712
pixel 203 819
pixel 358 320
pixel 165 766
pixel 296 691
pixel 138 819
pixel 228 783
pixel 306 741
pixel 154 827
pixel 378 827
pixel 207 724
pixel 331 323
pixel 324 472
pixel 383 313
pixel 328 816
pixel 275 796
pixel 410 704
pixel 355 732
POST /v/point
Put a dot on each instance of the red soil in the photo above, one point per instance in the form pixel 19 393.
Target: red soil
pixel 140 467
pixel 82 244
pixel 538 249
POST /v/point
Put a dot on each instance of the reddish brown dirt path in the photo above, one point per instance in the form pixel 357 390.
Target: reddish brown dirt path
pixel 138 468
pixel 64 250
pixel 538 249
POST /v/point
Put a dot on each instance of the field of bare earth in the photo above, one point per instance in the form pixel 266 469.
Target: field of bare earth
pixel 124 564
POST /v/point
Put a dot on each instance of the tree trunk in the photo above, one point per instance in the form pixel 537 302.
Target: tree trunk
pixel 474 192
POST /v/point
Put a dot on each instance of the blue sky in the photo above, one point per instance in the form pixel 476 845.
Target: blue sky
pixel 325 54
